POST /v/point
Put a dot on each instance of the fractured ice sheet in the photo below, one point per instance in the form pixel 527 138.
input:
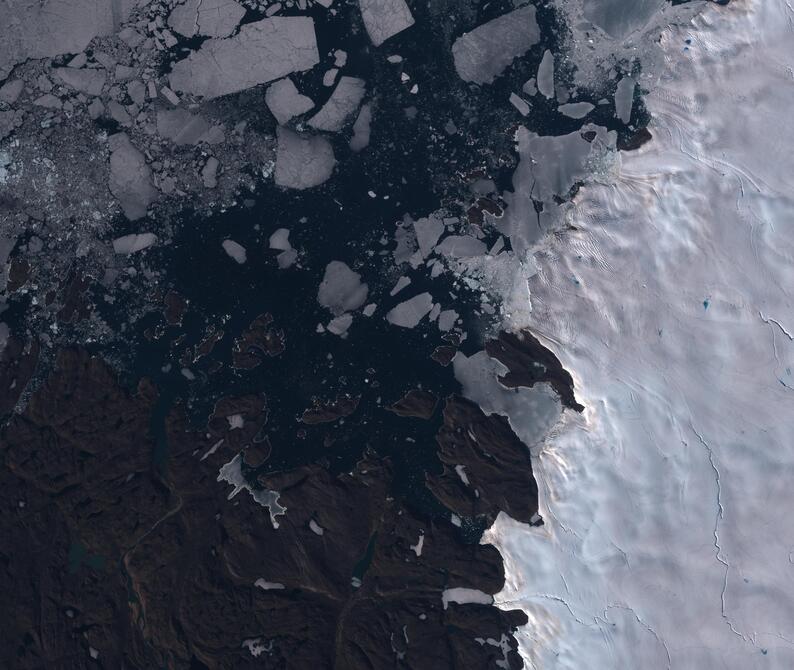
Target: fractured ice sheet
pixel 461 246
pixel 181 127
pixel 531 411
pixel 261 52
pixel 85 81
pixel 34 29
pixel 385 18
pixel 341 106
pixel 213 18
pixel 549 167
pixel 484 53
pixel 302 161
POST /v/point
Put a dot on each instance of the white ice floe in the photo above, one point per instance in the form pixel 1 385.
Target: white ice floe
pixel 302 161
pixel 260 52
pixel 129 244
pixel 279 240
pixel 447 319
pixel 33 30
pixel 385 18
pixel 285 102
pixel 408 314
pixel 402 282
pixel 361 129
pixel 576 110
pixel 428 230
pixel 546 75
pixel 519 103
pixel 341 289
pixel 209 173
pixel 668 539
pixel 624 98
pixel 484 53
pixel 130 177
pixel 235 250
pixel 341 106
pixel 339 325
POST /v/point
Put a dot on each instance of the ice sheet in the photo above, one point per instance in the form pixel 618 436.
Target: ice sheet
pixel 669 541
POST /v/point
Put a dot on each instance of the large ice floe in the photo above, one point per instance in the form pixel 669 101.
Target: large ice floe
pixel 668 539
pixel 261 52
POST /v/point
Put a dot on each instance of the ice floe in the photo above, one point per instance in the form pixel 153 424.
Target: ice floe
pixel 260 52
pixel 483 54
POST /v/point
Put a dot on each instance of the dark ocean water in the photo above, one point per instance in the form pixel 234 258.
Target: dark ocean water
pixel 421 168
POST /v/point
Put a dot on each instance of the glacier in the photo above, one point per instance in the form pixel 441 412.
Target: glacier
pixel 668 539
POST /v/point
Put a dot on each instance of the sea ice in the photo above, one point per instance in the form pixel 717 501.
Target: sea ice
pixel 342 104
pixel 235 250
pixel 213 18
pixel 546 75
pixel 576 110
pixel 428 230
pixel 285 102
pixel 361 129
pixel 341 289
pixel 624 98
pixel 130 177
pixel 129 244
pixel 302 161
pixel 261 52
pixel 408 314
pixel 384 18
pixel 484 53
